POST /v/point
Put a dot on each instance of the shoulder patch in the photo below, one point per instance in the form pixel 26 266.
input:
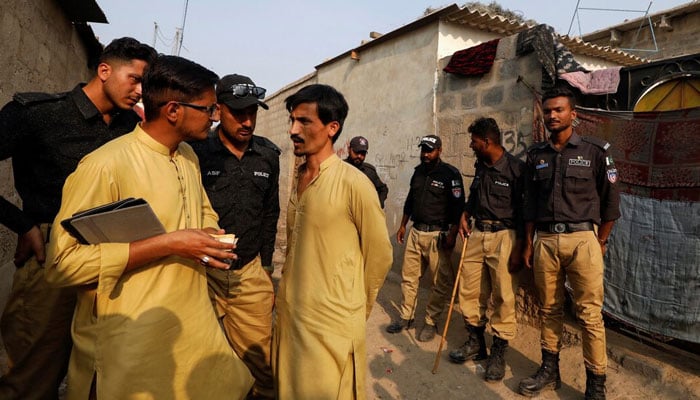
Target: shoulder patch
pixel 29 98
pixel 263 141
pixel 603 144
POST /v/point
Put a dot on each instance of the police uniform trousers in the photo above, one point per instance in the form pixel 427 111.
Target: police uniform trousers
pixel 423 251
pixel 578 256
pixel 36 332
pixel 485 275
pixel 245 313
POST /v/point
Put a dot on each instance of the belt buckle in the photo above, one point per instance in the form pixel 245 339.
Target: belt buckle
pixel 559 227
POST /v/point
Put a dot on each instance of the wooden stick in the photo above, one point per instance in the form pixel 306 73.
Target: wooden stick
pixel 452 303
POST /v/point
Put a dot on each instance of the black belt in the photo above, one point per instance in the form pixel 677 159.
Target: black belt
pixel 429 227
pixel 564 227
pixel 490 226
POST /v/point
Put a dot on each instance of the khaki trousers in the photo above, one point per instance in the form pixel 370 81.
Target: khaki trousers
pixel 245 314
pixel 578 257
pixel 485 275
pixel 423 251
pixel 36 331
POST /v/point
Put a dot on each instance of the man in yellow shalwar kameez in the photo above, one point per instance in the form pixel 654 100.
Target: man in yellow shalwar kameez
pixel 143 326
pixel 338 254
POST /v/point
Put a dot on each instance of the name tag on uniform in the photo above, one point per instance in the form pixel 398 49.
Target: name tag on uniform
pixel 213 173
pixel 579 162
pixel 260 173
pixel 543 165
pixel 437 184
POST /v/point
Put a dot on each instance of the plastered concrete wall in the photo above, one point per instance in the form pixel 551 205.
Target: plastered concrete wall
pixel 40 52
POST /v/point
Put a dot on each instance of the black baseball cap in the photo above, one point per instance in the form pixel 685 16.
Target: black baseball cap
pixel 359 143
pixel 228 88
pixel 430 141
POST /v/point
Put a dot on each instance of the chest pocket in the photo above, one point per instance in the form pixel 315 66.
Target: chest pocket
pixel 500 191
pixel 262 184
pixel 578 180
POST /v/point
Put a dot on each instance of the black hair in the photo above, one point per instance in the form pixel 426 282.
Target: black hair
pixel 486 128
pixel 560 92
pixel 330 104
pixel 172 78
pixel 127 49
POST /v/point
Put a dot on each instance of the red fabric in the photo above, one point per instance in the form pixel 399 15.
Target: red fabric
pixel 475 60
pixel 657 154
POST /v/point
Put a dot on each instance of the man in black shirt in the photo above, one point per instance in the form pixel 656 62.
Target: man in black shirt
pixel 240 172
pixel 495 204
pixel 572 201
pixel 434 203
pixel 357 151
pixel 46 135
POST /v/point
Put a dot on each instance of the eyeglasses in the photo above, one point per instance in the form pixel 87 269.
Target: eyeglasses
pixel 246 89
pixel 211 110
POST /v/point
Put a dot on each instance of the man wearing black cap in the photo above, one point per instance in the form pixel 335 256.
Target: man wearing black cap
pixel 357 151
pixel 240 172
pixel 434 203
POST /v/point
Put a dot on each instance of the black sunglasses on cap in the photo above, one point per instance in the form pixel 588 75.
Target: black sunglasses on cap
pixel 246 89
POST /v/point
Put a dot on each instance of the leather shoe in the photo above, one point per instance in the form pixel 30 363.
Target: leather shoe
pixel 427 333
pixel 399 325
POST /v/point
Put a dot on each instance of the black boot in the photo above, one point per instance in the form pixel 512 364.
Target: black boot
pixel 547 377
pixel 399 325
pixel 473 349
pixel 496 364
pixel 595 386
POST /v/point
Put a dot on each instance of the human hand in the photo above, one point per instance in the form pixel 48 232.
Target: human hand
pixel 29 244
pixel 527 256
pixel 198 244
pixel 401 234
pixel 464 229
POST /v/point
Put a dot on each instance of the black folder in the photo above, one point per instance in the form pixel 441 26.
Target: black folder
pixel 122 221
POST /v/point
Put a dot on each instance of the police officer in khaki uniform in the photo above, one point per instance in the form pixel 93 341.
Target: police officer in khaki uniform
pixel 572 202
pixel 434 203
pixel 493 251
pixel 240 172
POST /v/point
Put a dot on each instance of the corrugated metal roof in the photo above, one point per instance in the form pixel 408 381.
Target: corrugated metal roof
pixel 484 21
pixel 83 10
pixel 498 24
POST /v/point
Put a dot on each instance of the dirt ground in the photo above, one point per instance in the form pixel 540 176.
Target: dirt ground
pixel 400 366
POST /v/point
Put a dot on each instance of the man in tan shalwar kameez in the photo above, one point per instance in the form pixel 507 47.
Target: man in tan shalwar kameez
pixel 338 254
pixel 143 326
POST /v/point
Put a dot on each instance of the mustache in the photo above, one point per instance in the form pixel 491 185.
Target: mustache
pixel 296 139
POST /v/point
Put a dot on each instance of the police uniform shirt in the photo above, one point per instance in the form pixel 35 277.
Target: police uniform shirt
pixel 436 197
pixel 245 193
pixel 576 184
pixel 371 172
pixel 496 193
pixel 47 135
